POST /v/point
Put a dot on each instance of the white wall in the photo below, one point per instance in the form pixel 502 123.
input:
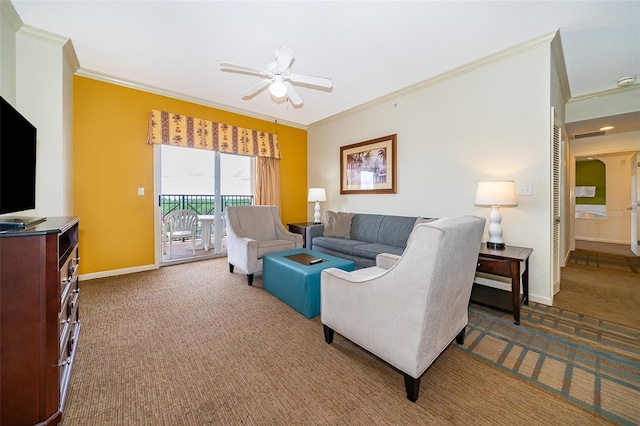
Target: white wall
pixel 488 121
pixel 619 101
pixel 9 24
pixel 36 77
pixel 45 64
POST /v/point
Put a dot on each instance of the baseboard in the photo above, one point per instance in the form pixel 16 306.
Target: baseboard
pixel 541 299
pixel 115 272
pixel 603 240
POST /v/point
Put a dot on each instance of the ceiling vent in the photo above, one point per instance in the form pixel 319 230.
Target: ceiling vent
pixel 590 134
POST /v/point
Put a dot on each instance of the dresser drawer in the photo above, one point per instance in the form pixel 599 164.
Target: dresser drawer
pixel 68 319
pixel 68 275
pixel 494 266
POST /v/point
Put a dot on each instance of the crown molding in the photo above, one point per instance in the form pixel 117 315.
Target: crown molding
pixel 95 75
pixel 545 39
pixel 7 10
pixel 610 92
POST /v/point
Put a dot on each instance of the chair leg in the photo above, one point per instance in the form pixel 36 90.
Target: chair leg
pixel 193 245
pixel 412 386
pixel 250 279
pixel 231 268
pixel 460 336
pixel 328 334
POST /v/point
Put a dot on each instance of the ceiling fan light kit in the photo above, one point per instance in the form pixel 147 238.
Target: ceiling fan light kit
pixel 279 78
pixel 277 88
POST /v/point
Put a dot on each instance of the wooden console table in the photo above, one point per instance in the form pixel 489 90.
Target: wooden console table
pixel 504 263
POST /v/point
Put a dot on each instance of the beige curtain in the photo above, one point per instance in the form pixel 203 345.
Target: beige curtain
pixel 268 182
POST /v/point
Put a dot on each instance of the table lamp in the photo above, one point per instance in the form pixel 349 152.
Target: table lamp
pixel 318 195
pixel 496 194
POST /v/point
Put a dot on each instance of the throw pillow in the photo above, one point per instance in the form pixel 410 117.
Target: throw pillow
pixel 338 225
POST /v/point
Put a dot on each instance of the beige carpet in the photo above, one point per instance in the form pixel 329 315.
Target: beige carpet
pixel 608 294
pixel 192 344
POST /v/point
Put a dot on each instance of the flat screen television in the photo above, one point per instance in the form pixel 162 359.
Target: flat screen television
pixel 17 161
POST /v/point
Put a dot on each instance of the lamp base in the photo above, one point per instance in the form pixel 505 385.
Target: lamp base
pixel 495 246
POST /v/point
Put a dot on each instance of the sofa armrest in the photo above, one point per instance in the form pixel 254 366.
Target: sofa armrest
pixel 312 232
pixel 386 260
pixel 284 234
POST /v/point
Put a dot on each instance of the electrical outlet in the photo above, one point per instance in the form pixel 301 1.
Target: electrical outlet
pixel 525 190
pixel 140 191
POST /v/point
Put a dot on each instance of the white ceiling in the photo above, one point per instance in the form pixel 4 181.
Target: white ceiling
pixel 369 48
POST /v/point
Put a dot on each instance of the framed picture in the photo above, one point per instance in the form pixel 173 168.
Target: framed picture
pixel 369 167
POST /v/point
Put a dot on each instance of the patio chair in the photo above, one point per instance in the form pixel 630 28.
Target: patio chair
pixel 179 224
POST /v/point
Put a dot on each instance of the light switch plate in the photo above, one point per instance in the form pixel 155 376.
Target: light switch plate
pixel 140 191
pixel 526 190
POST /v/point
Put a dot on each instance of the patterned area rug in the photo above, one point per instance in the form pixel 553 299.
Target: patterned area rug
pixel 605 260
pixel 592 363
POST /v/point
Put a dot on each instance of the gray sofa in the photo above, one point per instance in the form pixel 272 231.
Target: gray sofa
pixel 370 234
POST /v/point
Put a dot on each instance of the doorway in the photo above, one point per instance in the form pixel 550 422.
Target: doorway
pixel 613 223
pixel 205 182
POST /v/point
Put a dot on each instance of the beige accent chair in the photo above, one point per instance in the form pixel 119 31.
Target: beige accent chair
pixel 407 309
pixel 253 231
pixel 179 224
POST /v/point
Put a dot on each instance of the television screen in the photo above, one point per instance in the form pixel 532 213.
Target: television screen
pixel 17 161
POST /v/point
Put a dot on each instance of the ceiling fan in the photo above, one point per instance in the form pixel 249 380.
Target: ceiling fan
pixel 278 77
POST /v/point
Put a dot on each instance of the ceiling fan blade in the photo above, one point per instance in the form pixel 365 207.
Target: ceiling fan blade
pixel 311 80
pixel 295 99
pixel 256 88
pixel 284 57
pixel 226 66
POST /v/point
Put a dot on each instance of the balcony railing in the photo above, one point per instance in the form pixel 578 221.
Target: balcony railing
pixel 201 204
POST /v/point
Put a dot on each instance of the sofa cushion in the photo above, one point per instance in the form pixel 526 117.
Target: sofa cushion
pixel 365 227
pixel 339 245
pixel 338 225
pixel 371 250
pixel 395 230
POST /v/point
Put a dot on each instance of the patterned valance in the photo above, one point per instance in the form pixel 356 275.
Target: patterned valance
pixel 178 130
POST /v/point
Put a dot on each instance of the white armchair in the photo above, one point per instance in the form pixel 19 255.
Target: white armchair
pixel 253 231
pixel 409 308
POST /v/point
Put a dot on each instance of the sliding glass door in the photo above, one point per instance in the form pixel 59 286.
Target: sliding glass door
pixel 205 182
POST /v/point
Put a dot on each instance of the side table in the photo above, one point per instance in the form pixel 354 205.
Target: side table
pixel 504 263
pixel 301 228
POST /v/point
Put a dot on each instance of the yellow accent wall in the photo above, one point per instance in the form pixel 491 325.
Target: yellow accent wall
pixel 112 159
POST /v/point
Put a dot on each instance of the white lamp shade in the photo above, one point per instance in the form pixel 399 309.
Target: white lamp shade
pixel 496 193
pixel 316 194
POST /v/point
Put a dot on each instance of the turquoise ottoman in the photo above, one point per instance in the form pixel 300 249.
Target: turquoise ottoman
pixel 296 284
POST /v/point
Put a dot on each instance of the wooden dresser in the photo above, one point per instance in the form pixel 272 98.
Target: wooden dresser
pixel 39 320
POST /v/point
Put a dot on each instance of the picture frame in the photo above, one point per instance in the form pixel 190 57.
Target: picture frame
pixel 369 167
